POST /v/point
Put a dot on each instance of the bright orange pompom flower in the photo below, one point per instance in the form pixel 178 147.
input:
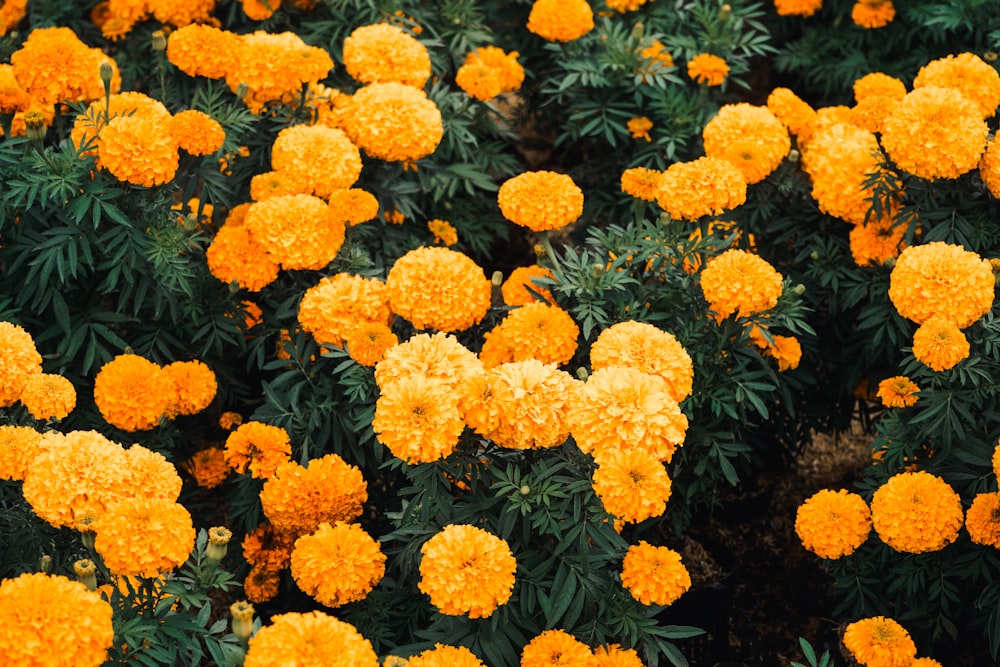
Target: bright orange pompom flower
pixel 540 200
pixel 466 571
pixel 133 393
pixel 438 288
pixel 654 575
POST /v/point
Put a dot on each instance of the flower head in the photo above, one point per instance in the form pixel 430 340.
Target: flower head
pixel 633 485
pixel 514 290
pixel 438 356
pixel 196 132
pixel 898 392
pixel 802 8
pixel 259 447
pixel 833 524
pixel 368 342
pixel 837 158
pixel 466 570
pixel 705 186
pixel 540 200
pixel 133 393
pixel 873 13
pixel 384 52
pixel 296 231
pixel 208 467
pixel 741 283
pixel 315 159
pixel 144 537
pixel 393 122
pixel 337 564
pixel 53 65
pixel 338 304
pixel 260 10
pixel 19 445
pixel 438 288
pixel 941 280
pixel 194 387
pixel 556 648
pixel 353 205
pixel 274 67
pixel 489 71
pixel 639 127
pixel 641 183
pixel 939 344
pixel 982 519
pixel 417 418
pixel 48 396
pixel 138 150
pixel 298 499
pixel 916 512
pixel 750 137
pixel 648 349
pixel 708 69
pixel 444 656
pixel 268 548
pixel 880 642
pixel 793 112
pixel 532 331
pixel 560 20
pixel 235 255
pixel 967 73
pixel 654 575
pixel 309 638
pixel 877 241
pixel 204 50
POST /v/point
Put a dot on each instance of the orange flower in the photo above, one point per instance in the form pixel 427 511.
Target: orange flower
pixel 939 344
pixel 982 519
pixel 208 467
pixel 750 137
pixel 204 50
pixel 880 642
pixel 368 342
pixel 260 10
pixel 877 84
pixel 478 81
pixel 466 571
pixel 393 122
pixel 792 111
pixel 439 356
pixel 740 283
pixel 353 205
pixel 338 304
pixel 384 52
pixel 648 349
pixel 235 255
pixel 641 183
pixel 442 656
pixel 838 157
pixel 556 648
pixel 705 186
pixel 560 20
pixel 19 445
pixel 622 6
pixel 418 419
pixel 87 127
pixel 438 288
pixel 489 71
pixel 180 13
pixel 967 73
pixel 533 331
pixel 540 200
pixel 261 447
pixel 632 485
pixel 708 69
pixel 315 159
pixel 194 384
pixel 12 97
pixel 797 7
pixel 48 396
pixel 337 564
pixel 916 512
pixel 873 13
pixel 309 638
pixel 133 393
pixel 138 150
pixel 514 290
pixel 876 242
pixel 54 66
pixel 144 537
pixel 639 127
pixel 274 68
pixel 197 132
pixel 296 231
pixel 898 392
pixel 989 168
pixel 655 60
pixel 297 499
pixel 443 231
pixel 19 360
pixel 261 584
pixel 268 548
pixel 833 524
pixel 654 575
pixel 11 14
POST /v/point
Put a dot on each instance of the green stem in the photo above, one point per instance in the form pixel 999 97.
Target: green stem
pixel 556 267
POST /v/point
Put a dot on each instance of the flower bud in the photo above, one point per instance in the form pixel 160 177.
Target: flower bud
pixel 990 56
pixel 524 490
pixel 637 31
pixel 582 373
pixel 218 540
pixel 596 270
pixel 799 289
pixel 242 90
pixel 497 278
pixel 724 12
pixel 539 250
pixel 34 126
pixel 242 613
pixel 159 41
pixel 107 72
pixel 794 155
pixel 45 563
pixel 86 573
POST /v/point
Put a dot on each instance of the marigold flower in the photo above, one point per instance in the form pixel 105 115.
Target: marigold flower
pixel 52 621
pixel 646 348
pixel 48 396
pixel 316 159
pixel 478 81
pixel 466 570
pixel 268 548
pixel 439 356
pixel 877 84
pixel 19 360
pixel 261 584
pixel 384 52
pixel 533 331
pixel 925 662
pixel 208 467
pixel 793 112
pixel 939 344
pixel 898 392
pixel 260 10
pixel 941 280
pixel 309 638
pixel 880 642
pixel 488 72
pixel 982 519
pixel 204 50
pixel 641 183
pixel 368 342
pixel 438 288
pixel 54 66
pixel 11 14
pixel 274 68
pixel 133 393
pixel 741 283
pixel 261 447
pixel 705 186
pixel 13 98
pixel 916 512
pixel 621 408
pixel 654 575
pixel 750 137
pixel 418 419
pixel 338 304
pixel 514 290
pixel 540 200
pixel 235 255
pixel 877 241
pixel 19 445
pixel 989 168
pixel 639 127
pixel 353 205
pixel 655 60
pixel 138 150
pixel 632 484
pixel 337 564
pixel 443 231
pixel 297 499
pixel 88 126
pixel 873 13
pixel 967 73
pixel 560 20
pixel 194 387
pixel 443 656
pixel 787 351
pixel 708 69
pixel 833 524
pixel 148 474
pixel 144 537
pixel 935 133
pixel 556 648
pixel 296 231
pixel 622 6
pixel 613 655
pixel 393 122
pixel 196 132
pixel 837 157
pixel 802 8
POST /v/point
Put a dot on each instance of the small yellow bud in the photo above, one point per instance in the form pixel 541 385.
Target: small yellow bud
pixel 234 286
pixel 497 278
pixel 582 373
pixel 45 563
pixel 34 126
pixel 159 41
pixel 724 12
pixel 799 289
pixel 242 613
pixel 596 270
pixel 814 255
pixel 539 250
pixel 218 540
pixel 794 155
pixel 990 56
pixel 242 90
pixel 638 30
pixel 524 490
pixel 107 72
pixel 86 573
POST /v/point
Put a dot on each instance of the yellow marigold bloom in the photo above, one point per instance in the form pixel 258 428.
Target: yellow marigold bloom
pixel 967 73
pixel 873 13
pixel 837 157
pixel 268 548
pixel 337 564
pixel 654 575
pixel 311 638
pixel 877 241
pixel 621 408
pixel 560 20
pixel 194 384
pixel 521 405
pixel 478 81
pixel 708 69
pixel 418 419
pixel 793 112
pixel 196 132
pixel 877 84
pixel 384 52
pixel 613 655
pixel 533 331
pixel 260 10
pixel 943 280
pixel 144 537
pixel 54 66
pixel 925 662
pixel 750 137
pixel 393 122
pixel 740 283
pixel 540 200
pixel 208 467
pixel 261 584
pixel 514 290
pixel 641 183
pixel 466 570
pixel 368 342
pixel 833 524
pixel 19 360
pixel 353 205
pixel 632 484
pixel 317 159
pixel 797 7
pixel 52 621
pixel 982 520
pixel 556 648
pixel 935 133
pixel 916 512
pixel 337 304
pixel 646 348
pixel 19 445
pixel 898 392
pixel 439 356
pixel 438 288
pixel 48 396
pixel 235 255
pixel 274 67
pixel 939 344
pixel 639 127
pixel 705 186
pixel 138 150
pixel 133 393
pixel 148 474
pixel 296 231
pixel 88 126
pixel 880 642
pixel 444 656
pixel 11 14
pixel 261 447
pixel 297 499
pixel 204 50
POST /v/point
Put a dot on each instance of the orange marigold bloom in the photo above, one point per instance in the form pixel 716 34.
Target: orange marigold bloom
pixel 52 621
pixel 639 127
pixel 646 348
pixel 19 361
pixel 133 393
pixel 268 548
pixel 838 157
pixel 439 356
pixel 438 288
pixel 443 656
pixel 613 655
pixel 898 392
pixel 943 280
pixel 560 20
pixel 260 10
pixel 967 73
pixel 144 537
pixel 540 200
pixel 138 150
pixel 877 241
pixel 338 304
pixel 750 137
pixel 208 467
pixel 705 186
pixel 204 50
pixel 870 113
pixel 873 13
pixel 833 524
pixel 996 460
pixel 19 445
pixel 297 499
pixel 269 184
pixel 916 512
pixel 384 52
pixel 989 168
pixel 466 570
pixel 54 66
pixel 195 387
pixel 309 638
pixel 196 132
pixel 556 648
pixel 939 344
pixel 741 283
pixel 633 485
pixel 925 662
pixel 478 81
pixel 274 67
pixel 261 584
pixel 418 419
pixel 11 14
pixel 792 111
pixel 521 405
pixel 655 60
pixel 337 564
pixel 87 127
pixel 621 408
pixel 235 255
pixel 443 231
pixel 146 473
pixel 393 122
pixel 296 231
pixel 880 642
pixel 316 159
pixel 180 13
pixel 641 183
pixel 261 447
pixel 12 96
pixel 654 575
pixel 353 205
pixel 877 84
pixel 489 71
pixel 935 133
pixel 622 6
pixel 533 331
pixel 797 7
pixel 368 342
pixel 982 520
pixel 708 69
pixel 787 351
pixel 514 290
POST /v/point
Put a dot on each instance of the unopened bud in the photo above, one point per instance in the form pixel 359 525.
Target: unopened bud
pixel 86 573
pixel 45 563
pixel 724 12
pixel 539 250
pixel 34 126
pixel 218 540
pixel 814 255
pixel 242 613
pixel 524 490
pixel 242 90
pixel 582 373
pixel 497 278
pixel 799 289
pixel 990 56
pixel 638 30
pixel 234 286
pixel 596 270
pixel 159 41
pixel 190 222
pixel 794 155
